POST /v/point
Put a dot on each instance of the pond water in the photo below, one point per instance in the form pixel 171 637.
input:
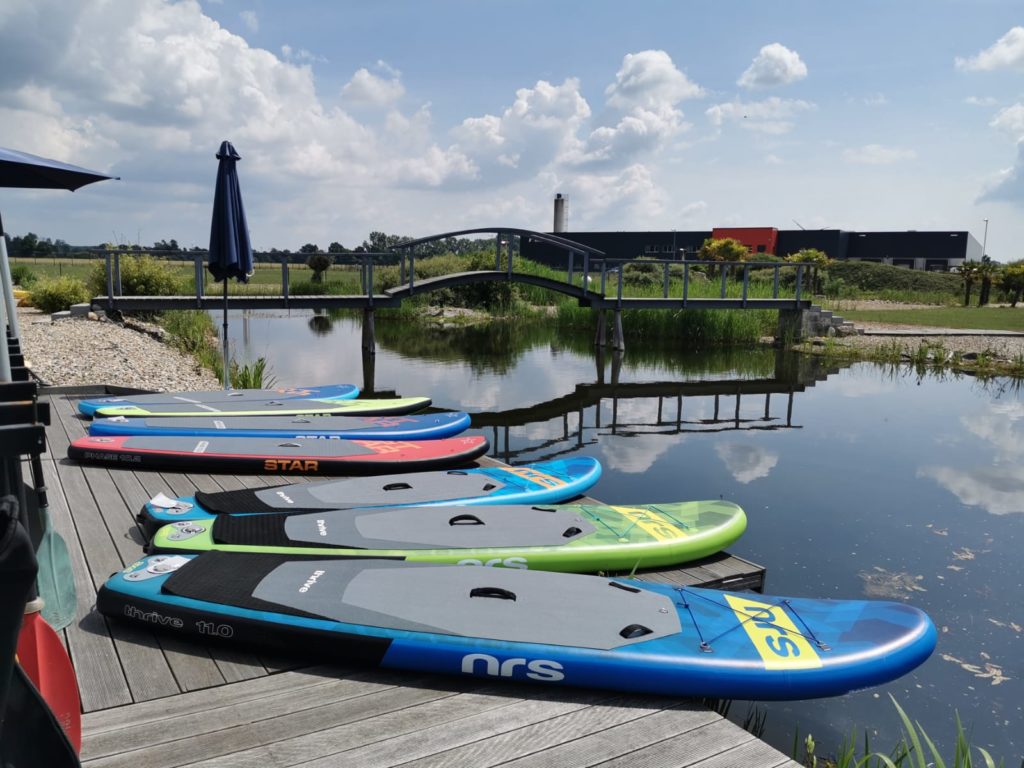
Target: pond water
pixel 866 481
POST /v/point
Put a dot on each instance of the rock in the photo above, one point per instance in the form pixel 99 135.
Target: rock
pixel 63 315
pixel 80 310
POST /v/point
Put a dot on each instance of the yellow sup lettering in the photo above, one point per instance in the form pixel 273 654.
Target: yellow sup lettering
pixel 651 522
pixel 538 477
pixel 774 635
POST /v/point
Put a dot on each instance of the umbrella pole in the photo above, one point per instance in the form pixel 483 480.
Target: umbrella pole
pixel 5 276
pixel 227 369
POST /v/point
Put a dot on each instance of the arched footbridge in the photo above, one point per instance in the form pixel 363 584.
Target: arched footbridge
pixel 592 277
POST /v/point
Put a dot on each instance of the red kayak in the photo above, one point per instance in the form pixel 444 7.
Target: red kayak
pixel 276 455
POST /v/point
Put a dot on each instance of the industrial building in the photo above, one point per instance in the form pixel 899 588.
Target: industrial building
pixel 937 251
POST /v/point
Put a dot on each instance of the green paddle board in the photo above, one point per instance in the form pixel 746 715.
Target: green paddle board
pixel 565 537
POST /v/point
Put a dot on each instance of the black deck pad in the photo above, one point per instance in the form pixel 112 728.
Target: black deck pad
pixel 233 502
pixel 230 579
pixel 254 531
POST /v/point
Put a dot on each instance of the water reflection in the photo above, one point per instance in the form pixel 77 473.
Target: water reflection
pixel 861 481
pixel 997 487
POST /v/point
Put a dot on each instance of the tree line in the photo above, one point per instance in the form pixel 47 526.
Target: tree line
pixel 30 245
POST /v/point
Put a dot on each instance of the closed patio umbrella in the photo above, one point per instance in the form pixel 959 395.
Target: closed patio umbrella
pixel 230 249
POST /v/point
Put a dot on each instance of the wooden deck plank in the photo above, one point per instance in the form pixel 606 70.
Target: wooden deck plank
pixel 751 754
pixel 622 739
pixel 207 703
pixel 155 733
pixel 528 740
pixel 101 679
pixel 684 749
pixel 539 707
pixel 393 713
pixel 274 741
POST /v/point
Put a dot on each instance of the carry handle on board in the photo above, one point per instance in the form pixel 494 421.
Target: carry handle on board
pixel 465 520
pixel 496 592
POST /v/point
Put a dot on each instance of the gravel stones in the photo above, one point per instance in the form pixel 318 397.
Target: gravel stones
pixel 79 351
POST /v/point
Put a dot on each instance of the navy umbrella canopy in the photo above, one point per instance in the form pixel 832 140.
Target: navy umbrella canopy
pixel 230 249
pixel 20 169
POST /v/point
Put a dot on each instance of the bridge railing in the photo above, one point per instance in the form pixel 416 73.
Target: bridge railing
pixel 614 270
pixel 365 263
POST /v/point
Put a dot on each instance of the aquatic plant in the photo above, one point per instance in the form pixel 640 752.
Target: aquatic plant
pixel 253 375
pixel 916 749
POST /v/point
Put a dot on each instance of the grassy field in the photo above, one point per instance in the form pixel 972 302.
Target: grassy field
pixel 980 318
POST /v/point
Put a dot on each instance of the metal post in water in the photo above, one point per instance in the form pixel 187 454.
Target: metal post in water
pixel 110 282
pixel 285 279
pixel 198 265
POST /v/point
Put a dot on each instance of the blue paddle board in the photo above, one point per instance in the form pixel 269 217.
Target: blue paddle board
pixel 430 426
pixel 532 626
pixel 546 482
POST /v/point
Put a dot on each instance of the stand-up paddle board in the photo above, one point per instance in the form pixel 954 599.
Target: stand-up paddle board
pixel 277 455
pixel 422 426
pixel 328 392
pixel 570 537
pixel 551 628
pixel 296 406
pixel 546 482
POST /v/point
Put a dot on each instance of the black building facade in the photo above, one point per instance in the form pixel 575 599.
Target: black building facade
pixel 911 249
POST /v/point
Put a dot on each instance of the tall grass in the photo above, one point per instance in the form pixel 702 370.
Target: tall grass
pixel 916 749
pixel 195 334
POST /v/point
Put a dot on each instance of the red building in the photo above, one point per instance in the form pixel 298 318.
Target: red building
pixel 757 239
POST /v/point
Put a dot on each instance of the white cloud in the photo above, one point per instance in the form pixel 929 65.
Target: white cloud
pixel 772 116
pixel 746 463
pixel 650 80
pixel 1010 121
pixel 251 20
pixel 643 112
pixel 628 198
pixel 876 154
pixel 1006 53
pixel 693 213
pixel 367 89
pixel 773 66
pixel 981 101
pixel 539 128
pixel 772 159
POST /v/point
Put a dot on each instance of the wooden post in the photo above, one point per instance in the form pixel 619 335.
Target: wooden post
pixel 369 337
pixel 618 342
pixel 600 336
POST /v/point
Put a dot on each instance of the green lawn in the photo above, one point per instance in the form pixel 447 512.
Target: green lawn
pixel 980 318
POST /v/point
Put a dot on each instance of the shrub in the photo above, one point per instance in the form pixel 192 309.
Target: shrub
pixel 319 263
pixel 141 275
pixel 22 275
pixel 874 278
pixel 58 294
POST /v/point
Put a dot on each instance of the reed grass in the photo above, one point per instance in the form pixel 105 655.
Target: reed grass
pixel 916 749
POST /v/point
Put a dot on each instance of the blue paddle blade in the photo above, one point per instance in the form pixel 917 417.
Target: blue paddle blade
pixel 55 581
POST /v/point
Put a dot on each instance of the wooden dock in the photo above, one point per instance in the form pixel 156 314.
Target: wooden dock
pixel 158 701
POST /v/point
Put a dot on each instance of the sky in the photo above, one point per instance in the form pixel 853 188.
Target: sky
pixel 417 118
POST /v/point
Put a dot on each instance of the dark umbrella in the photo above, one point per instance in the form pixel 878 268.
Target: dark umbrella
pixel 230 249
pixel 20 169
